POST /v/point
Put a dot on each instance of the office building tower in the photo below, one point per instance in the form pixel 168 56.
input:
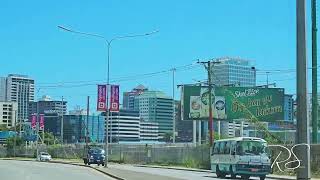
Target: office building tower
pixel 20 89
pixel 155 106
pixel 233 72
pixel 128 97
pixel 48 106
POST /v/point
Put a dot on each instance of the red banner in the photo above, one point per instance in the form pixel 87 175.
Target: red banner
pixel 101 100
pixel 114 99
pixel 34 121
pixel 41 122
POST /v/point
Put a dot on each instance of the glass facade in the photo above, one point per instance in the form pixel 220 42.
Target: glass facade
pixel 75 127
pixel 155 106
pixel 233 71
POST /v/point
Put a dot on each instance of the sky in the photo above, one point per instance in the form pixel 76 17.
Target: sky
pixel 70 65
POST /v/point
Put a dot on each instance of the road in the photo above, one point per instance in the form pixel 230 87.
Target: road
pixel 122 170
pixel 23 170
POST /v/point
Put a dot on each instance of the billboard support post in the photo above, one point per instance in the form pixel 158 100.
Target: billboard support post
pixel 194 132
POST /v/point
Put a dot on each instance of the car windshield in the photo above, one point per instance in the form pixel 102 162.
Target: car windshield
pixel 44 154
pixel 96 151
pixel 251 148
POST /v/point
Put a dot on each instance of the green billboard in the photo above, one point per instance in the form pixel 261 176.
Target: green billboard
pixel 232 103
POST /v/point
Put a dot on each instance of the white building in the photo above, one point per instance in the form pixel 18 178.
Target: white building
pixel 149 131
pixel 126 126
pixel 8 113
pixel 20 89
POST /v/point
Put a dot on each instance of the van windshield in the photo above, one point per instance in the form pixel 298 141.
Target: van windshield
pixel 251 148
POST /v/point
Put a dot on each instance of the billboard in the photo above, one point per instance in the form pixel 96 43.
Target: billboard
pixel 231 103
pixel 101 100
pixel 114 99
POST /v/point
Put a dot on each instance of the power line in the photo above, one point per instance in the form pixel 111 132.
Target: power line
pixel 70 84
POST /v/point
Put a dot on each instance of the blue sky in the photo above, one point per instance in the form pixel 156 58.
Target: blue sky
pixel 262 31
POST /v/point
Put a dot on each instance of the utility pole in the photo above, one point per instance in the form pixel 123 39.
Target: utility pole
pixel 87 125
pixel 15 131
pixel 37 129
pixel 267 79
pixel 303 136
pixel 314 74
pixel 207 65
pixel 174 108
pixel 61 130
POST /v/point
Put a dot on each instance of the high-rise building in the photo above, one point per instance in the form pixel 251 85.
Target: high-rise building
pixel 128 97
pixel 155 106
pixel 20 89
pixel 233 71
pixel 47 106
pixel 3 88
pixel 8 114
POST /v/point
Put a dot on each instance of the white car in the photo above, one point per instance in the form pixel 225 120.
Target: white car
pixel 43 156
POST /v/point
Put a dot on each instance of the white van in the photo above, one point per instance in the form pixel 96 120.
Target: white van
pixel 244 156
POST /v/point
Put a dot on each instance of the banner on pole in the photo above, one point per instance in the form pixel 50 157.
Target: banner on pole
pixel 114 99
pixel 101 100
pixel 41 122
pixel 33 121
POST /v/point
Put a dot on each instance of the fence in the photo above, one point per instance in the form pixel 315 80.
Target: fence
pixel 182 155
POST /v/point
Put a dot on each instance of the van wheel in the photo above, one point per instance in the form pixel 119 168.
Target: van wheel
pixel 219 173
pixel 262 177
pixel 233 176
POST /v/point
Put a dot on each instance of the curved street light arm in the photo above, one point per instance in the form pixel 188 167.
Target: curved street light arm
pixel 104 38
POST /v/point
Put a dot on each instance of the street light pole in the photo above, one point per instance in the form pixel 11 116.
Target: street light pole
pixel 109 42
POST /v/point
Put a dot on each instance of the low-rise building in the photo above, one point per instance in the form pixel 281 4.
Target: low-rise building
pixel 8 111
pixel 149 131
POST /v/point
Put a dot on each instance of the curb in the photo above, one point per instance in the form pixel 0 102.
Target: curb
pixel 175 168
pixel 207 171
pixel 69 163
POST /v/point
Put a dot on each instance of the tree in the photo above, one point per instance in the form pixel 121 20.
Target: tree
pixel 3 127
pixel 14 141
pixel 49 138
pixel 167 137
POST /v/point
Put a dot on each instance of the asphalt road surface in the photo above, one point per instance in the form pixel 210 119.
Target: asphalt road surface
pixel 27 170
pixel 174 174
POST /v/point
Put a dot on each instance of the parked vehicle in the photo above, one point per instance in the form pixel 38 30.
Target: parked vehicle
pixel 244 156
pixel 94 156
pixel 44 156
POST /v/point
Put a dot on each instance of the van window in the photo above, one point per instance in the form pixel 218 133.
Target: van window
pixel 221 148
pixel 216 148
pixel 227 148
